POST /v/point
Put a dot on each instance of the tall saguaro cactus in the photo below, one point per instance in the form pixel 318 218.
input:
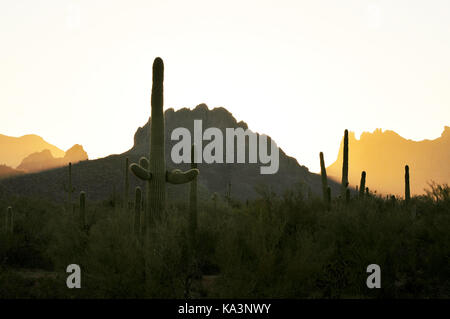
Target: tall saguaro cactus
pixel 328 197
pixel 153 170
pixel 126 186
pixel 137 211
pixel 345 164
pixel 82 210
pixel 407 190
pixel 193 200
pixel 69 188
pixel 323 173
pixel 362 185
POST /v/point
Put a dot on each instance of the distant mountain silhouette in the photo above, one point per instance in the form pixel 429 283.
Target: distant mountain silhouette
pixel 99 178
pixel 75 154
pixel 44 160
pixel 38 162
pixel 383 155
pixel 6 171
pixel 14 149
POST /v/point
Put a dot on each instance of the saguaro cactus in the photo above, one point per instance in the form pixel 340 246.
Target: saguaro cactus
pixel 345 164
pixel 9 220
pixel 69 188
pixel 193 199
pixel 362 185
pixel 407 190
pixel 126 186
pixel 137 211
pixel 153 170
pixel 329 197
pixel 82 210
pixel 323 173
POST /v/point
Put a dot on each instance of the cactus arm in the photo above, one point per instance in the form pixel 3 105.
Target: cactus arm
pixel 178 177
pixel 143 161
pixel 140 172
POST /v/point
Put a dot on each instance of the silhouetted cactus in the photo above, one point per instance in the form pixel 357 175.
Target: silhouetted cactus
pixel 137 211
pixel 126 186
pixel 153 170
pixel 193 200
pixel 345 164
pixel 69 188
pixel 9 227
pixel 323 173
pixel 328 197
pixel 347 196
pixel 82 210
pixel 367 191
pixel 407 190
pixel 192 222
pixel 362 185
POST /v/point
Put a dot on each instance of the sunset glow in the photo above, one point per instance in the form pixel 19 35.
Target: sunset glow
pixel 299 71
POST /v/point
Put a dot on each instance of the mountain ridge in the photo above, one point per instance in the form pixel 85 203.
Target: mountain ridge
pixel 384 154
pixel 14 149
pixel 101 177
pixel 44 160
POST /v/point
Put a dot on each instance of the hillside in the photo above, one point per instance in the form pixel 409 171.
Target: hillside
pixel 14 149
pixel 101 177
pixel 383 156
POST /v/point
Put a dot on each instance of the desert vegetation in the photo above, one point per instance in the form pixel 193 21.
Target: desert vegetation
pixel 289 245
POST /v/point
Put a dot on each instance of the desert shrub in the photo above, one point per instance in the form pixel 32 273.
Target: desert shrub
pixel 289 246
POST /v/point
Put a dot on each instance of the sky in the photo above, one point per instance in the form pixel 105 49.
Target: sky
pixel 79 71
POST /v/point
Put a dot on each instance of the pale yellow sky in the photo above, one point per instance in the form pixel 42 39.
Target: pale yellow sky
pixel 299 71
